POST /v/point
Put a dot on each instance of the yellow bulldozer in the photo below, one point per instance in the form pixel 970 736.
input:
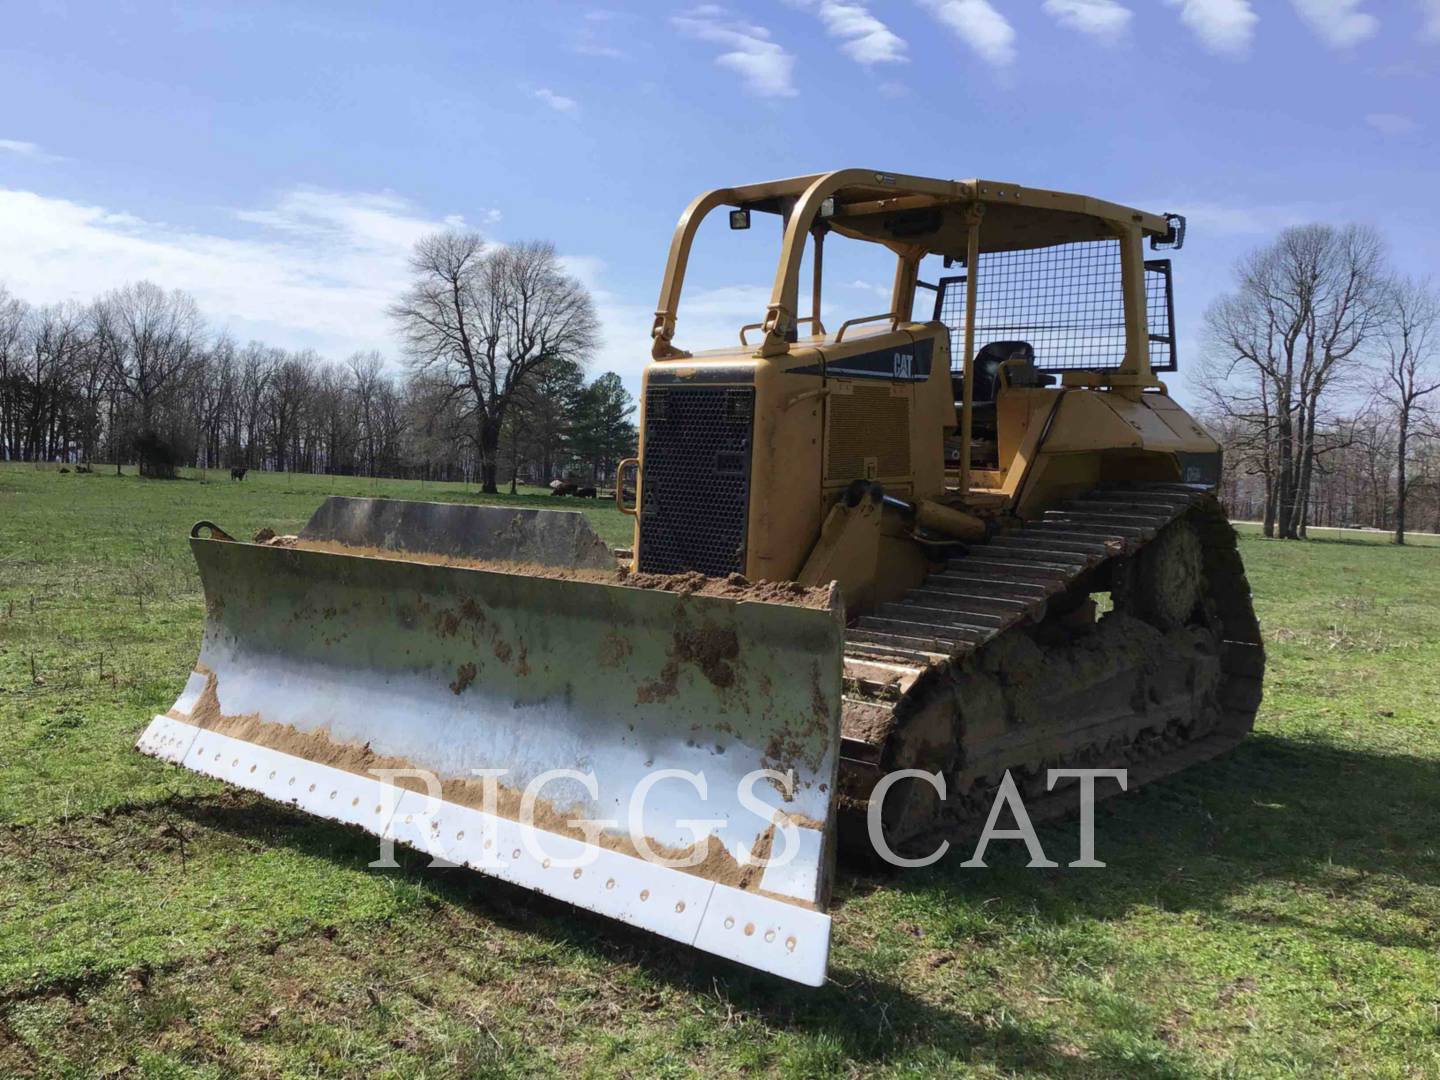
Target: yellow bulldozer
pixel 961 542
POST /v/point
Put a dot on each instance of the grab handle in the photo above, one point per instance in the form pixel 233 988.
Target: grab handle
pixel 634 465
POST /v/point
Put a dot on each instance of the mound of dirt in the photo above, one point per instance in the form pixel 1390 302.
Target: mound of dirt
pixel 734 587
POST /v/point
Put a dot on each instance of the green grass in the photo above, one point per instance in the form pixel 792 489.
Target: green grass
pixel 1274 913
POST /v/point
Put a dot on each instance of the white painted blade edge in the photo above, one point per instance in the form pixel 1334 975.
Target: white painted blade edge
pixel 783 939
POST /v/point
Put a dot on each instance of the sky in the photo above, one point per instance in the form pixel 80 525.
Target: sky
pixel 279 161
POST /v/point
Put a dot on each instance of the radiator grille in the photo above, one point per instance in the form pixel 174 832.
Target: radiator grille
pixel 869 423
pixel 695 491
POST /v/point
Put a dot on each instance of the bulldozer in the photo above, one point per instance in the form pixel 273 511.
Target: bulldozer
pixel 877 573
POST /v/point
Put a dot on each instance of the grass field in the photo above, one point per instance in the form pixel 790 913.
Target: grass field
pixel 1274 913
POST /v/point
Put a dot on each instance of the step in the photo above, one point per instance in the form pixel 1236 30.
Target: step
pixel 919 628
pixel 1037 551
pixel 1144 522
pixel 1035 540
pixel 1009 569
pixel 1063 527
pixel 1147 515
pixel 922 650
pixel 967 585
pixel 944 616
pixel 1136 498
pixel 973 601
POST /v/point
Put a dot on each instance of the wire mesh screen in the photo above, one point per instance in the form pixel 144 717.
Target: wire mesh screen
pixel 1066 301
pixel 1160 315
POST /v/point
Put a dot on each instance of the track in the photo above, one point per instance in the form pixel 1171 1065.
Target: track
pixel 998 663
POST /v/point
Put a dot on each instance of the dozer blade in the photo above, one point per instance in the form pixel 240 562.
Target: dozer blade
pixel 367 675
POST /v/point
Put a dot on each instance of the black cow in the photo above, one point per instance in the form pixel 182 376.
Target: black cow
pixel 237 472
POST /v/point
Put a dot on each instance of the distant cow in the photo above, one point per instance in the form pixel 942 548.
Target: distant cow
pixel 237 472
pixel 562 487
pixel 585 493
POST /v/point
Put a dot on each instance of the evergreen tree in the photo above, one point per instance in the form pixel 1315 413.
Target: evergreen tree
pixel 603 431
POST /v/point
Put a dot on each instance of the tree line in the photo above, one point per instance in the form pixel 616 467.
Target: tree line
pixel 1320 376
pixel 492 382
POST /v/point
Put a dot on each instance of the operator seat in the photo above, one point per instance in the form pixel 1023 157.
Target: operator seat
pixel 984 427
pixel 987 377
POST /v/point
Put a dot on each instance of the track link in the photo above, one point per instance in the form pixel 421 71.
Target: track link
pixel 918 672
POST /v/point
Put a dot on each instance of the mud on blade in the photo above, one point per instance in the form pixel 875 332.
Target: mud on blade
pixel 380 689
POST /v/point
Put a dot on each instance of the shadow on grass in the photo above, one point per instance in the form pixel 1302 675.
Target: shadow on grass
pixel 1273 810
pixel 1304 813
pixel 858 1016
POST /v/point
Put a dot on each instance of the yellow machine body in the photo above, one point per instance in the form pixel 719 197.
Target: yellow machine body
pixel 680 746
pixel 881 405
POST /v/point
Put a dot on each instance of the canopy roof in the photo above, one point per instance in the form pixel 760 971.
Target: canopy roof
pixel 911 211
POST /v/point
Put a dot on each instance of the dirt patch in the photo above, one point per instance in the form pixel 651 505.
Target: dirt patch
pixel 464 676
pixel 661 688
pixel 712 649
pixel 870 725
pixel 614 649
pixel 734 587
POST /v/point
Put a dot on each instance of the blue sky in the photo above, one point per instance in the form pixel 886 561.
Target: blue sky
pixel 278 160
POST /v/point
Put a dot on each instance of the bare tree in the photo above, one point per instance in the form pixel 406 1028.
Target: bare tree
pixel 212 397
pixel 153 338
pixel 480 323
pixel 366 376
pixel 334 434
pixel 257 367
pixel 56 338
pixel 1409 343
pixel 14 326
pixel 286 403
pixel 1284 341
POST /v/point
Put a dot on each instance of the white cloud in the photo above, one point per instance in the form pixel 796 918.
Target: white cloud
pixel 1392 123
pixel 624 327
pixel 764 67
pixel 21 148
pixel 882 291
pixel 1339 23
pixel 708 318
pixel 1103 19
pixel 593 37
pixel 587 45
pixel 558 102
pixel 1223 26
pixel 864 38
pixel 979 26
pixel 313 269
pixel 1430 11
